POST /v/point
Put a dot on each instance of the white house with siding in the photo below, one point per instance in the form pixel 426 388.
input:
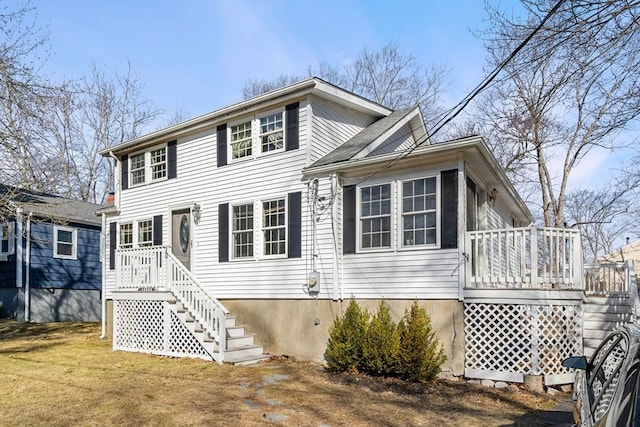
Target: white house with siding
pixel 271 213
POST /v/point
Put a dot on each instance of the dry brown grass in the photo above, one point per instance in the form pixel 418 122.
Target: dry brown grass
pixel 63 375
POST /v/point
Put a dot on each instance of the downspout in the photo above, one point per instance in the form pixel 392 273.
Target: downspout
pixel 18 248
pixel 27 264
pixel 103 299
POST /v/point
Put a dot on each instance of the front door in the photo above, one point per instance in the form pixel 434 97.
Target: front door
pixel 181 236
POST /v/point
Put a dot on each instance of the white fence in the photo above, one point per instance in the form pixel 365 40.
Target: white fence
pixel 532 258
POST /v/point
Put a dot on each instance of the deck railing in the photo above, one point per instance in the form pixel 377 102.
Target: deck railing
pixel 156 268
pixel 612 279
pixel 534 258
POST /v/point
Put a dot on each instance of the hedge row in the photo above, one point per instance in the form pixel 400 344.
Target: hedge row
pixel 376 345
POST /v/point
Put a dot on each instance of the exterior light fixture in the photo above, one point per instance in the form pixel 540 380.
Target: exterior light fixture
pixel 195 211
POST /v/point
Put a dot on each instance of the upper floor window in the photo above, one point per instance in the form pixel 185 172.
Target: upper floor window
pixel 274 228
pixel 65 242
pixel 137 169
pixel 7 236
pixel 148 166
pixel 242 231
pixel 241 141
pixel 271 132
pixel 419 212
pixel 375 216
pixel 158 163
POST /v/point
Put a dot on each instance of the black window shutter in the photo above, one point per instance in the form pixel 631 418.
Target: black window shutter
pixel 157 230
pixel 222 144
pixel 294 232
pixel 449 211
pixel 223 232
pixel 124 168
pixel 349 220
pixel 112 246
pixel 292 126
pixel 172 161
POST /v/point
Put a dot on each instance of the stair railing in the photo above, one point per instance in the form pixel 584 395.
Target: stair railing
pixel 207 310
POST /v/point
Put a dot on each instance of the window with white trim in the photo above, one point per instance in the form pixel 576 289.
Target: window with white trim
pixel 126 236
pixel 274 227
pixel 242 231
pixel 271 132
pixel 7 234
pixel 148 166
pixel 145 233
pixel 240 140
pixel 375 216
pixel 419 204
pixel 137 169
pixel 65 242
pixel 158 161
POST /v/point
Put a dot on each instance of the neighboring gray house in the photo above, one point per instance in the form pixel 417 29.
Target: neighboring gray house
pixel 50 267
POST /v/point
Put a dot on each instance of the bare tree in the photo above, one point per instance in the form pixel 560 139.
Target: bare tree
pixel 387 76
pixel 563 95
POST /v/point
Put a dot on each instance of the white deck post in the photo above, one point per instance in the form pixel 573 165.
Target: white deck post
pixel 534 257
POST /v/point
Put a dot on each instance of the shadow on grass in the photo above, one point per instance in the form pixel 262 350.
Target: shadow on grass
pixel 13 330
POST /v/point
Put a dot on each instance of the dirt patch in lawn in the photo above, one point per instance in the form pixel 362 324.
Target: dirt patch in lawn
pixel 63 374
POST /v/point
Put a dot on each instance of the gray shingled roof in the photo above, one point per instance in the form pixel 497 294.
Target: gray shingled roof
pixel 54 207
pixel 362 139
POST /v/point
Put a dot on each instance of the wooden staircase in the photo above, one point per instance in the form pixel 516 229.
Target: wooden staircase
pixel 602 314
pixel 240 348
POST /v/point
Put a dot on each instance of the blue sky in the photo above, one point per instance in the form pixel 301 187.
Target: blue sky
pixel 196 55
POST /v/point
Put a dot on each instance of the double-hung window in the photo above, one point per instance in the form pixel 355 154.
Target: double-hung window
pixel 242 232
pixel 271 132
pixel 148 166
pixel 145 233
pixel 419 212
pixel 65 242
pixel 126 235
pixel 7 238
pixel 158 161
pixel 137 168
pixel 241 141
pixel 274 227
pixel 375 216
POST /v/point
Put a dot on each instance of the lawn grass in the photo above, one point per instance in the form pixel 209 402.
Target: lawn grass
pixel 62 374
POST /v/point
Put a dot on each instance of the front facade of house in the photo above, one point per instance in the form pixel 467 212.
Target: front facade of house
pixel 279 209
pixel 50 259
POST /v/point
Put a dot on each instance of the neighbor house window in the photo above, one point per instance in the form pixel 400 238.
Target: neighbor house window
pixel 271 132
pixel 375 216
pixel 274 229
pixel 126 236
pixel 65 242
pixel 241 140
pixel 137 169
pixel 242 232
pixel 145 233
pixel 419 212
pixel 7 235
pixel 158 163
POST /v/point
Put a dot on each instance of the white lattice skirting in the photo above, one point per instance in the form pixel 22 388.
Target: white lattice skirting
pixel 150 326
pixel 507 341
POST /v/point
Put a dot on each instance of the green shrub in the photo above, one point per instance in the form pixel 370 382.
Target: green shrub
pixel 420 354
pixel 344 350
pixel 380 344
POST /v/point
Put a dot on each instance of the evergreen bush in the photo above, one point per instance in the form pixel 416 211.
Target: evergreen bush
pixel 344 349
pixel 380 344
pixel 420 353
